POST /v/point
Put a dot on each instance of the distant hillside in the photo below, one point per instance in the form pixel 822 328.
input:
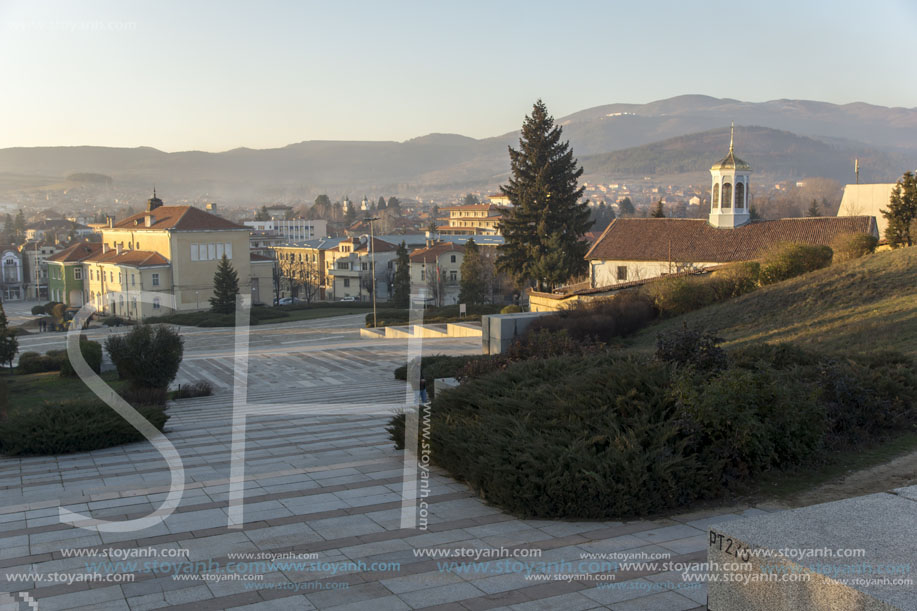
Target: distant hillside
pixel 768 151
pixel 865 305
pixel 802 138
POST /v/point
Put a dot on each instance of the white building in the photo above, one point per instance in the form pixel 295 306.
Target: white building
pixel 292 230
pixel 867 200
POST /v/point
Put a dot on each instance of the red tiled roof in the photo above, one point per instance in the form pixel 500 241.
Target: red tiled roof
pixel 695 240
pixel 177 218
pixel 378 246
pixel 134 258
pixel 77 252
pixel 431 253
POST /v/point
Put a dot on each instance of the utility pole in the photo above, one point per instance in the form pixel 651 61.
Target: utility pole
pixel 372 259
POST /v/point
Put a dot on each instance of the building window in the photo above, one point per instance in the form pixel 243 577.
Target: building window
pixel 346 283
pixel 365 266
pixel 452 259
pixel 453 275
pixel 155 279
pixel 220 250
pixel 195 252
pixel 740 195
pixel 622 272
pixel 155 301
pixel 111 276
pixel 727 195
pixel 77 273
pixel 716 195
pixel 211 251
pixel 423 275
pixel 343 265
pixel 133 280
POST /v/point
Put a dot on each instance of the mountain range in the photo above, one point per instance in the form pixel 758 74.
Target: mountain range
pixel 680 136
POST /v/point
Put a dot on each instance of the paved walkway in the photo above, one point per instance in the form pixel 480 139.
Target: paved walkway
pixel 323 485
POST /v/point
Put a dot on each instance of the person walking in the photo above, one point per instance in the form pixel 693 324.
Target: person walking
pixel 422 390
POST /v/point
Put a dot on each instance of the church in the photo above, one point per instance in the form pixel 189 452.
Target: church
pixel 634 249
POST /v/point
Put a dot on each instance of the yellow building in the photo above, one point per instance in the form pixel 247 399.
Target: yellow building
pixel 174 250
pixel 473 219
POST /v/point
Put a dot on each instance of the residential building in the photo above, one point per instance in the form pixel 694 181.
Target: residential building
pixel 67 274
pixel 636 249
pixel 12 274
pixel 56 230
pixel 35 263
pixel 174 250
pixel 438 269
pixel 292 230
pixel 472 219
pixel 351 274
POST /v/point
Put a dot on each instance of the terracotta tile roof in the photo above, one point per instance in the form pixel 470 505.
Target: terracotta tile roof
pixel 133 258
pixel 431 253
pixel 177 218
pixel 77 252
pixel 378 246
pixel 695 240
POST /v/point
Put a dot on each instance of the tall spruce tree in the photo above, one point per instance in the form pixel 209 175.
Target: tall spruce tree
pixel 9 345
pixel 658 211
pixel 401 284
pixel 473 287
pixel 225 288
pixel 902 212
pixel 543 230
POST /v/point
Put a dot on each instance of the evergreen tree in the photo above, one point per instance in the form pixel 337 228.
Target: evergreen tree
pixel 473 286
pixel 902 212
pixel 262 214
pixel 225 288
pixel 470 200
pixel 658 211
pixel 9 345
pixel 350 215
pixel 813 209
pixel 19 228
pixel 401 285
pixel 380 205
pixel 394 204
pixel 753 214
pixel 626 207
pixel 543 229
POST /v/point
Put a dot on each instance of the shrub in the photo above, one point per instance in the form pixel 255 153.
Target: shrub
pixel 511 309
pixel 148 356
pixel 114 321
pixel 198 389
pixel 600 320
pixel 395 429
pixel 38 310
pixel 75 426
pixel 600 436
pixel 32 362
pixel 853 246
pixel 680 294
pixel 735 279
pixel 91 351
pixel 691 347
pixel 790 260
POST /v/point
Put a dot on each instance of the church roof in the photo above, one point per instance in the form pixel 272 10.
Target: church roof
pixel 695 240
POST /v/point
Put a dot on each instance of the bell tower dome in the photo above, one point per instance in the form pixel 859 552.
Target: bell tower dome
pixel 729 191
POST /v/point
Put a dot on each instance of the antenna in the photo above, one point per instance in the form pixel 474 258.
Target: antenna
pixel 732 132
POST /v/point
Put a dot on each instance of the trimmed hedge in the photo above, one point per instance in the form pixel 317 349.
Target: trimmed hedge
pixel 197 389
pixel 401 316
pixel 32 362
pixel 91 351
pixel 600 320
pixel 76 426
pixel 602 436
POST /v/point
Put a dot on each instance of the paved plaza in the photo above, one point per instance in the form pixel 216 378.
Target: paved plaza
pixel 322 483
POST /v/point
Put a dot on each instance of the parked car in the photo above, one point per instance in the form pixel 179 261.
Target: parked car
pixel 289 301
pixel 348 299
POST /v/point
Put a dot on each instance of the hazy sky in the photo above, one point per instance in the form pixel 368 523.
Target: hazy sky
pixel 218 75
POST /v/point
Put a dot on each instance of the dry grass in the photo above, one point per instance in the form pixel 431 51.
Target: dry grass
pixel 865 305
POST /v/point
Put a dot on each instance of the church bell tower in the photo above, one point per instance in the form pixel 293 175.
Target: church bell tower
pixel 729 191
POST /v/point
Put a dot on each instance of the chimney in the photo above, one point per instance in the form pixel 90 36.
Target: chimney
pixel 104 248
pixel 111 221
pixel 118 248
pixel 148 219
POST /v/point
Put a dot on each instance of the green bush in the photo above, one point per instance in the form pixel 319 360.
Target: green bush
pixel 691 347
pixel 115 321
pixel 76 426
pixel 197 389
pixel 790 260
pixel 680 294
pixel 599 436
pixel 91 351
pixel 511 309
pixel 735 279
pixel 148 356
pixel 853 246
pixel 397 317
pixel 139 397
pixel 600 320
pixel 32 362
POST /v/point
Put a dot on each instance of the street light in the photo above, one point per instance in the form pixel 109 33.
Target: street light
pixel 372 258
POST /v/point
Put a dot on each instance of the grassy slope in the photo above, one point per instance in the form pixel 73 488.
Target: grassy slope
pixel 862 306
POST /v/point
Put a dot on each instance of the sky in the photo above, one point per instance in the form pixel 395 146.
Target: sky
pixel 208 75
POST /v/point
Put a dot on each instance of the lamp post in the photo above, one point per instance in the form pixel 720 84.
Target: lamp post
pixel 372 259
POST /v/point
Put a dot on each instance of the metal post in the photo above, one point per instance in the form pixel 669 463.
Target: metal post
pixel 372 259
